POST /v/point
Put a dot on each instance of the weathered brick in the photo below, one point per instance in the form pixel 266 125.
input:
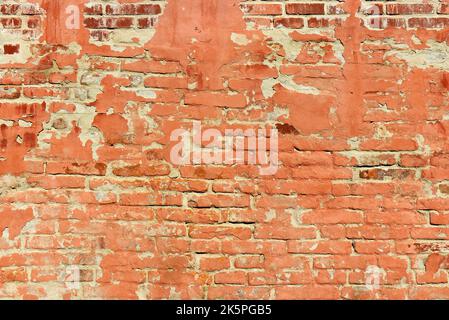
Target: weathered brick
pixel 304 8
pixel 355 92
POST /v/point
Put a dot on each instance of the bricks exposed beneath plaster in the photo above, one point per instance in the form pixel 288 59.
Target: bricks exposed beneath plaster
pixel 358 91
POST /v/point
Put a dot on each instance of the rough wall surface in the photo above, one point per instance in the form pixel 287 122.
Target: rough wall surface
pixel 358 91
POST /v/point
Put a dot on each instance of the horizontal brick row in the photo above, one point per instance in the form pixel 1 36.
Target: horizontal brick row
pixel 123 9
pixel 20 9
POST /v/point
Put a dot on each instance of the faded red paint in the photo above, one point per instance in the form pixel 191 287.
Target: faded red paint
pixel 86 177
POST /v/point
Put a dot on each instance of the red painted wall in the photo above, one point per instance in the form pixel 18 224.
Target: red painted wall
pixel 93 204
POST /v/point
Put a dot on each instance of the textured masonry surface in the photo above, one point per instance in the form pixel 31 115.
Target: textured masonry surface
pixel 357 89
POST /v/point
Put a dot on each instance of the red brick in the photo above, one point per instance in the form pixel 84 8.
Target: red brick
pixel 294 23
pixel 213 264
pixel 304 8
pixel 11 48
pixel 235 277
pixel 263 9
pixel 403 9
pixel 428 22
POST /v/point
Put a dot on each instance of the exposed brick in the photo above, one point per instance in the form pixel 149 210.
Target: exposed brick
pixel 133 9
pixel 403 9
pixel 9 8
pixel 11 48
pixel 10 23
pixel 263 9
pixel 294 23
pixel 304 8
pixel 108 23
pixel 428 22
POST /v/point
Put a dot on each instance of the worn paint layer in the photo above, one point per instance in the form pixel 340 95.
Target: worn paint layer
pixel 92 90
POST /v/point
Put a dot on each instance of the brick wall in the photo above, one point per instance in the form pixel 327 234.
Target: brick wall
pixel 91 92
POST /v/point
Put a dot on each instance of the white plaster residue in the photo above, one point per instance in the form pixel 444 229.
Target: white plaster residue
pixel 133 37
pixel 147 94
pixel 287 82
pixel 436 56
pixel 239 39
pixel 292 48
